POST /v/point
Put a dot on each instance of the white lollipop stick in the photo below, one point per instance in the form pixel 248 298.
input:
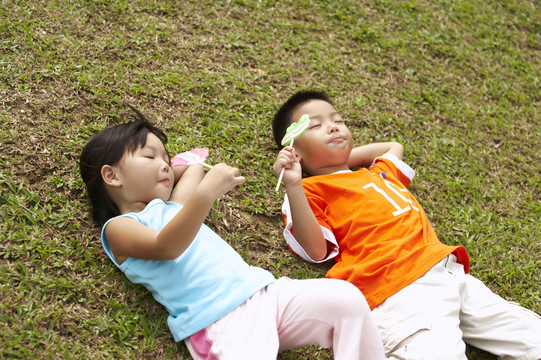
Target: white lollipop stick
pixel 205 165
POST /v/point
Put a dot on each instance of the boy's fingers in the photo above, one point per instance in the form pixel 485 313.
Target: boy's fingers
pixel 288 156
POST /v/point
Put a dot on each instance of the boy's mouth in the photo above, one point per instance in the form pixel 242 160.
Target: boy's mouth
pixel 337 139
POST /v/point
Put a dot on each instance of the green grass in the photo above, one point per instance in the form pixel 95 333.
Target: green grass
pixel 457 82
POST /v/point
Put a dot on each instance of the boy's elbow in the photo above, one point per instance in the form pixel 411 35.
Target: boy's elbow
pixel 319 251
pixel 397 149
pixel 319 255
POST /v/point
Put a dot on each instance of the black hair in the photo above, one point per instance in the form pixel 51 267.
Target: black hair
pixel 107 147
pixel 283 117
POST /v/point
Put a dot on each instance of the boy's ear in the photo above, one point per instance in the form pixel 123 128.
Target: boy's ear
pixel 109 176
pixel 298 155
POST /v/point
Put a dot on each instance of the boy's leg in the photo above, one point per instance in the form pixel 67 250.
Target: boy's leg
pixel 421 321
pixel 326 312
pixel 495 325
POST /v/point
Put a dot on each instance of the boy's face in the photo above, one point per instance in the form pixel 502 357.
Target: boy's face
pixel 146 173
pixel 325 146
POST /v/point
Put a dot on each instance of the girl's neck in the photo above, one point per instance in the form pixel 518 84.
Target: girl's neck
pixel 132 207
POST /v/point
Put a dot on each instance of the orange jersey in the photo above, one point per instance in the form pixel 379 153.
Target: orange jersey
pixel 376 230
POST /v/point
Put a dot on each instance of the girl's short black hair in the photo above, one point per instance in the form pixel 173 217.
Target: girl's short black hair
pixel 282 118
pixel 107 147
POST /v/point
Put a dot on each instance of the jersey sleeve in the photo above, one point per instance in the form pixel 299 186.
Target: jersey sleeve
pixel 295 247
pixel 396 167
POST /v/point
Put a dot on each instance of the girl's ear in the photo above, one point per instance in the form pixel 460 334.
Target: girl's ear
pixel 109 176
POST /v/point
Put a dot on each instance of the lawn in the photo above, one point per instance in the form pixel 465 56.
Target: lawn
pixel 456 82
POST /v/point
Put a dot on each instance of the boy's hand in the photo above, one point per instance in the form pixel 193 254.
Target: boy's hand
pixel 220 180
pixel 287 160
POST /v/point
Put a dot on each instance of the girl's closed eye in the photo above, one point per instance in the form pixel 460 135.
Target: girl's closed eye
pixel 147 154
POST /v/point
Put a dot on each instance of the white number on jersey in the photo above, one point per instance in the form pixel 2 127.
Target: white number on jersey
pixel 396 191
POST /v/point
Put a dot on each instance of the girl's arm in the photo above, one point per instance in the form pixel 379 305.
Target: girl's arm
pixel 129 238
pixel 187 182
pixel 307 229
pixel 365 155
pixel 178 171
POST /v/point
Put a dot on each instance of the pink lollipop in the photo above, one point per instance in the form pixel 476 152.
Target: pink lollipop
pixel 192 157
pixel 293 132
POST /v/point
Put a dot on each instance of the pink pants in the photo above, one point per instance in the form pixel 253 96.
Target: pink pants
pixel 292 313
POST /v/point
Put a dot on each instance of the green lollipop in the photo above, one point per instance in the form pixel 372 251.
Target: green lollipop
pixel 296 129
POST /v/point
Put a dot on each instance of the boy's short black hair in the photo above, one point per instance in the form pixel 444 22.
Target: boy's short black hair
pixel 282 118
pixel 108 147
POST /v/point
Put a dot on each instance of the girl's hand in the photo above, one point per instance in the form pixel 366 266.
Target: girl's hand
pixel 220 180
pixel 287 159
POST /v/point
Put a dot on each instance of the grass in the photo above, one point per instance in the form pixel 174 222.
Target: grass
pixel 457 82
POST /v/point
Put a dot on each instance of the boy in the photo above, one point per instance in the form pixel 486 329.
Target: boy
pixel 424 302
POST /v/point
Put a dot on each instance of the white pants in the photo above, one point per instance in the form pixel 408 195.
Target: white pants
pixel 433 317
pixel 291 313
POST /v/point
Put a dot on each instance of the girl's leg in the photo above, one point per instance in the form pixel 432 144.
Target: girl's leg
pixel 292 313
pixel 247 332
pixel 326 312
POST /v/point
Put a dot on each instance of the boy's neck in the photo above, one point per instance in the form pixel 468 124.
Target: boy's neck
pixel 329 170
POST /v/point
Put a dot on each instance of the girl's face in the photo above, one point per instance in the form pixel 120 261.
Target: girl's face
pixel 146 173
pixel 326 145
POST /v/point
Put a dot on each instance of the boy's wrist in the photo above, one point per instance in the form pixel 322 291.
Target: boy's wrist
pixel 297 186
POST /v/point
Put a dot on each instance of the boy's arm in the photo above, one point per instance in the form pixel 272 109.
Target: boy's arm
pixel 308 232
pixel 129 238
pixel 365 155
pixel 306 227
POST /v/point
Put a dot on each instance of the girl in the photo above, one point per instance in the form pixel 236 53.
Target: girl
pixel 219 305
